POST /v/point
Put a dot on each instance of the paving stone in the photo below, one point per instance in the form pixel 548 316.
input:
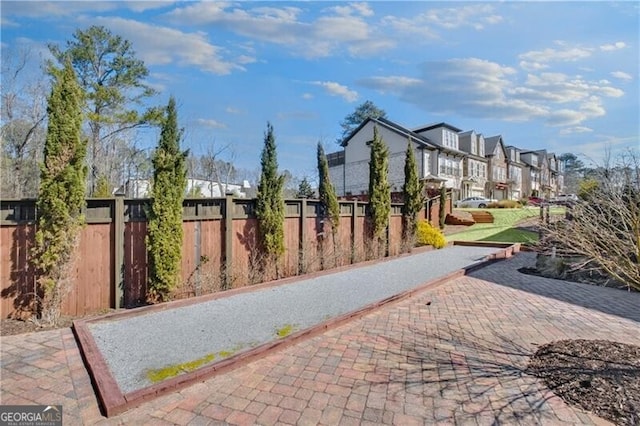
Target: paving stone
pixel 459 359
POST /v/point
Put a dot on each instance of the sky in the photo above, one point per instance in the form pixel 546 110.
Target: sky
pixel 561 76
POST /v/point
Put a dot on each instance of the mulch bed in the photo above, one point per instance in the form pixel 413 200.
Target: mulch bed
pixel 600 376
pixel 9 327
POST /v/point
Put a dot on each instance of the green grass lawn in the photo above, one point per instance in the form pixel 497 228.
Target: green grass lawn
pixel 503 228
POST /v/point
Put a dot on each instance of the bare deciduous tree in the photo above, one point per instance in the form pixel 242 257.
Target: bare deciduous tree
pixel 602 231
pixel 23 116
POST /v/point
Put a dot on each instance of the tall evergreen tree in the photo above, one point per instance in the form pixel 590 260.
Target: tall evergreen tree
pixel 103 188
pixel 326 191
pixel 164 234
pixel 412 191
pixel 365 110
pixel 61 195
pixel 270 202
pixel 379 188
pixel 304 189
pixel 113 79
pixel 442 211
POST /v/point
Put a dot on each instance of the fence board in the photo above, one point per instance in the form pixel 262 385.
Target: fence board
pixel 135 263
pixel 292 247
pixel 203 266
pixel 16 278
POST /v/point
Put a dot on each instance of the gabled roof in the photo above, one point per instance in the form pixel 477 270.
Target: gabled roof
pixel 426 127
pixel 467 133
pixel 419 139
pixel 490 144
pixel 524 160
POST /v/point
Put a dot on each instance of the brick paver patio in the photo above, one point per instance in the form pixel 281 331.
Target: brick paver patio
pixel 452 355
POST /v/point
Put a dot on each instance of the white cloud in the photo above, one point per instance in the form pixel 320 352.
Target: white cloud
pixel 362 8
pixel 392 84
pixel 575 130
pixel 161 45
pixel 233 110
pixel 544 56
pixel 307 96
pixel 622 75
pixel 144 5
pixel 339 29
pixel 470 86
pixel 5 22
pixel 560 88
pixel 423 26
pixel 484 89
pixel 615 46
pixel 357 8
pixel 475 16
pixel 532 66
pixel 336 89
pixel 209 122
pixel 51 9
pixel 411 27
pixel 245 59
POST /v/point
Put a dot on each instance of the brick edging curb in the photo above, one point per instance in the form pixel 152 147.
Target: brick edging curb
pixel 114 402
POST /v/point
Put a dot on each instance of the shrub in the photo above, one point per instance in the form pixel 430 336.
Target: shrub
pixel 428 235
pixel 524 202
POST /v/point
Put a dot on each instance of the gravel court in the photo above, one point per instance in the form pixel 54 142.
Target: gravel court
pixel 134 345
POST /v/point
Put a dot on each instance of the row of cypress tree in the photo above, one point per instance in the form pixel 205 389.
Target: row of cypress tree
pixel 63 183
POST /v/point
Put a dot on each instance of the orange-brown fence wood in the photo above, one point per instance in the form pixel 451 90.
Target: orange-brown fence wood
pixel 395 235
pixel 16 277
pixel 220 248
pixel 91 290
pixel 135 263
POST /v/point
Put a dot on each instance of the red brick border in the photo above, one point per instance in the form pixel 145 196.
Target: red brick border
pixel 114 402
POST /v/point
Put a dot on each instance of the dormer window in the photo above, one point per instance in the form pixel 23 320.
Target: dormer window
pixel 449 139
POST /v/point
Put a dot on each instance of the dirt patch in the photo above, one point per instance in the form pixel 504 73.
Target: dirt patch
pixel 600 376
pixel 9 327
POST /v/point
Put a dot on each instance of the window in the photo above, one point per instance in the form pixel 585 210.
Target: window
pixel 426 166
pixel 449 139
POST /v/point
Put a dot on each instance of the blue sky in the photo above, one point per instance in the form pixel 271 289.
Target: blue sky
pixel 556 75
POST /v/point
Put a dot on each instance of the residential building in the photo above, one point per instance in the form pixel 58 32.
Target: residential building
pixel 474 175
pixel 531 186
pixel 450 157
pixel 141 188
pixel 546 173
pixel 466 162
pixel 349 168
pixel 515 172
pixel 497 186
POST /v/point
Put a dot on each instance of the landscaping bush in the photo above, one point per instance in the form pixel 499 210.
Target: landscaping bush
pixel 505 204
pixel 428 235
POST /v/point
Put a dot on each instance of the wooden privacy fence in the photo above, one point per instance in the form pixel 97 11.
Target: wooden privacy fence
pixel 220 248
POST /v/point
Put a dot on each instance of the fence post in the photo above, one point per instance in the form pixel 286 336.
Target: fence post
pixel 228 240
pixel 197 241
pixel 118 229
pixel 354 215
pixel 302 258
